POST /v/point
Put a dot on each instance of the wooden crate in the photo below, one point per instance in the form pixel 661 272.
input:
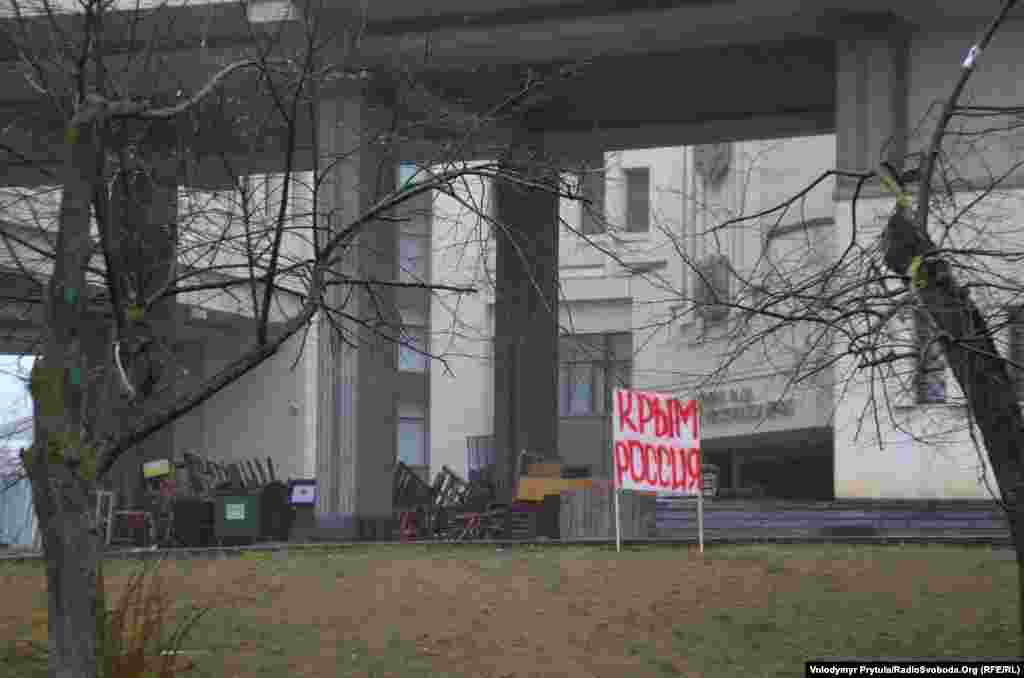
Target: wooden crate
pixel 546 469
pixel 589 513
pixel 536 488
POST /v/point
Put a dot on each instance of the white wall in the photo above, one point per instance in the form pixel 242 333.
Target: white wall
pixel 269 412
pixel 600 295
pixel 272 410
pixel 214 227
pixel 908 450
pixel 681 353
pixel 676 355
pixel 927 451
pixel 461 401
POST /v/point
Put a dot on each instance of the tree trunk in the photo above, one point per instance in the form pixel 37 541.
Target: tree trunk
pixel 71 549
pixel 61 465
pixel 976 363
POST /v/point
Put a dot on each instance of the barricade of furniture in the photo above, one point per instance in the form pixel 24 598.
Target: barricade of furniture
pixel 239 502
pixel 451 508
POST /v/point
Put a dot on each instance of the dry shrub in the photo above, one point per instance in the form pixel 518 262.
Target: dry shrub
pixel 142 635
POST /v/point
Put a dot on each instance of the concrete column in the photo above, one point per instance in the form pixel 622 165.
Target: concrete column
pixel 872 125
pixel 871 93
pixel 356 422
pixel 526 318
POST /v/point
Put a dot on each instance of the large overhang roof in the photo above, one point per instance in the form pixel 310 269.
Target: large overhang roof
pixel 657 72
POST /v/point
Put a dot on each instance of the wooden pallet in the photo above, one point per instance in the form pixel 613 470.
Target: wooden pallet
pixel 590 514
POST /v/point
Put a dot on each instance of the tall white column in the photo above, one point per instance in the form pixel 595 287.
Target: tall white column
pixel 356 422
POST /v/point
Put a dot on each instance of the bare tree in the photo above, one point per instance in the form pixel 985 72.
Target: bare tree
pixel 887 307
pixel 136 192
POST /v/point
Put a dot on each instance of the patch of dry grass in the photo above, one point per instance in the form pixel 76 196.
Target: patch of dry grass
pixel 574 612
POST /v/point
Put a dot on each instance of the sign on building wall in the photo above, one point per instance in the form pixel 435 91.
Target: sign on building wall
pixel 656 443
pixel 733 405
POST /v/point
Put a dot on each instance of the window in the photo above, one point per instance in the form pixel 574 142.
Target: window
pixel 481 457
pixel 592 366
pixel 411 356
pixel 578 388
pixel 413 251
pixel 638 200
pixel 265 192
pixel 711 288
pixel 930 377
pixel 1016 352
pixel 406 172
pixel 412 436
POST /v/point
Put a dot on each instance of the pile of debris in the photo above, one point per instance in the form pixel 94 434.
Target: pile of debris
pixel 198 502
pixel 451 509
pixel 206 477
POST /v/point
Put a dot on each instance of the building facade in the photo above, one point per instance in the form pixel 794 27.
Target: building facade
pixel 628 290
pixel 638 269
pixel 640 264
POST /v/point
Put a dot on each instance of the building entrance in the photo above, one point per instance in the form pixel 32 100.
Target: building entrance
pixel 792 465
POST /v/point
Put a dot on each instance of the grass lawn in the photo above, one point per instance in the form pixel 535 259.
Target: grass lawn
pixel 658 611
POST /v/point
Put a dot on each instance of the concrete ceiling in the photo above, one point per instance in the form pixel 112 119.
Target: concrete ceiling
pixel 659 72
pixel 405 16
pixel 461 33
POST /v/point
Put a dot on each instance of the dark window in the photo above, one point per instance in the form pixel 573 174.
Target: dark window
pixel 413 254
pixel 592 367
pixel 638 200
pixel 412 437
pixel 411 352
pixel 931 363
pixel 481 457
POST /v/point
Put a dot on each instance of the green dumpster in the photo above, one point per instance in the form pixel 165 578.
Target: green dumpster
pixel 237 517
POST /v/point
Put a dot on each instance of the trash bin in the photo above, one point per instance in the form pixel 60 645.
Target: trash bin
pixel 237 517
pixel 193 521
pixel 302 501
pixel 276 511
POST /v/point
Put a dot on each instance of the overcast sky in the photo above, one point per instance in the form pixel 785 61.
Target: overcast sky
pixel 14 398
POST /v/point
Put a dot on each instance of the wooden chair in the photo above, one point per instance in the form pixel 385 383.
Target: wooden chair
pixel 413 500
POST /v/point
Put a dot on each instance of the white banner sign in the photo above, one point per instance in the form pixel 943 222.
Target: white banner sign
pixel 657 443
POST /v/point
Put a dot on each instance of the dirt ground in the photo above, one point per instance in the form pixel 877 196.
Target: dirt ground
pixel 507 615
pixel 572 622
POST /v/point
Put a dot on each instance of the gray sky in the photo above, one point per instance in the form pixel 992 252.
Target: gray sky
pixel 14 399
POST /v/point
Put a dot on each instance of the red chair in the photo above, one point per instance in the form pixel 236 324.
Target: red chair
pixel 408 526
